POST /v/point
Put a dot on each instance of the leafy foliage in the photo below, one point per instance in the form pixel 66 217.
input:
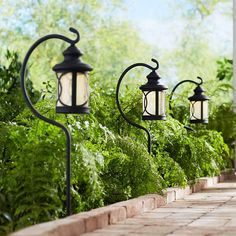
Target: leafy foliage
pixel 195 155
pixel 130 171
pixel 171 172
pixel 223 119
pixel 204 7
pixel 225 69
pixel 11 100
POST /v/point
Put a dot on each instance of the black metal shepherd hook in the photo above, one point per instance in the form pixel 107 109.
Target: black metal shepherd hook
pixel 40 116
pixel 155 84
pixel 177 85
pixel 198 103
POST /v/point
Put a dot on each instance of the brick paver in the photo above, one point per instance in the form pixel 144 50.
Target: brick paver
pixel 210 212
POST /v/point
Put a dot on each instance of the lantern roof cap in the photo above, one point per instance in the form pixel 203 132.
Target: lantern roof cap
pixel 198 95
pixel 72 61
pixel 153 83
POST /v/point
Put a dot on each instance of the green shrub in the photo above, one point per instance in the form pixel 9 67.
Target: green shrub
pixel 34 174
pixel 11 99
pixel 129 170
pixel 171 172
pixel 197 155
pixel 223 119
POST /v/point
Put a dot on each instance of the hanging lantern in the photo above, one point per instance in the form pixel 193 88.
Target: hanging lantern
pixel 73 86
pixel 154 98
pixel 198 106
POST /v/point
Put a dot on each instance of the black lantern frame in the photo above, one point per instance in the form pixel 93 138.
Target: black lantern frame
pixel 157 91
pixel 199 98
pixel 152 85
pixel 71 64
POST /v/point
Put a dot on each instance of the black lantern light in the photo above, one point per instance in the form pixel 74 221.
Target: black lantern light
pixel 72 74
pixel 73 92
pixel 198 103
pixel 153 97
pixel 198 106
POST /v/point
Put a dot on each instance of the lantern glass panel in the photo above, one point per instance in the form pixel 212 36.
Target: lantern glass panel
pixel 195 110
pixel 82 89
pixel 205 110
pixel 162 103
pixel 149 103
pixel 64 89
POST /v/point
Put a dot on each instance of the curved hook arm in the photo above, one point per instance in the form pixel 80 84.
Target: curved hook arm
pixel 37 113
pixel 177 85
pixel 155 61
pixel 75 31
pixel 198 77
pixel 118 102
pixel 23 70
pixel 172 93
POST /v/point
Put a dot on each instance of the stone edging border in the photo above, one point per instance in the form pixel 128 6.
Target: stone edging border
pixel 85 222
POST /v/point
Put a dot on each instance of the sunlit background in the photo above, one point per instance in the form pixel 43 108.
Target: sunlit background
pixel 178 30
pixel 187 37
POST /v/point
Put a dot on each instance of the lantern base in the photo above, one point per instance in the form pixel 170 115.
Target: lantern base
pixel 72 110
pixel 199 121
pixel 153 117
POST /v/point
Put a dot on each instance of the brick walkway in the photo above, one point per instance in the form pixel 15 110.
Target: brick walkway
pixel 210 212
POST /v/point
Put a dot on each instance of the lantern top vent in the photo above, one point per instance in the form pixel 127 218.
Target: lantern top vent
pixel 153 83
pixel 198 95
pixel 72 61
